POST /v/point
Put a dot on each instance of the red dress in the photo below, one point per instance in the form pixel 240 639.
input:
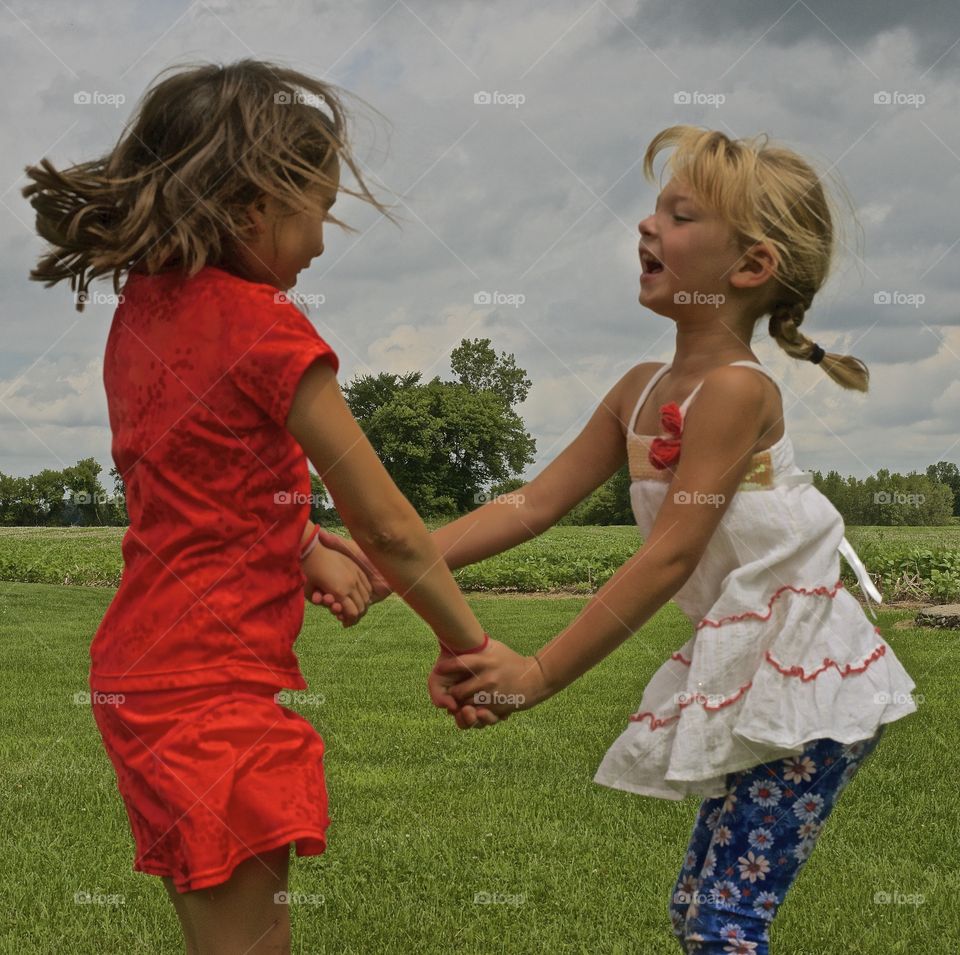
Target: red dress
pixel 200 373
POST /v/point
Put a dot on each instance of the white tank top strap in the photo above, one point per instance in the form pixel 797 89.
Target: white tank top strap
pixel 654 378
pixel 743 361
pixel 660 372
pixel 759 367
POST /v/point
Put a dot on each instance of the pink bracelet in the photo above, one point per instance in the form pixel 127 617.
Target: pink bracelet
pixel 447 652
pixel 312 542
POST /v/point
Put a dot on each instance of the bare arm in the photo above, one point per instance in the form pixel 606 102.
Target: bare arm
pixel 589 460
pixel 717 453
pixel 381 520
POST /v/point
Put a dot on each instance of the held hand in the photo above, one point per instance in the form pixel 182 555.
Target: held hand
pixel 439 683
pixel 338 583
pixel 351 549
pixel 498 680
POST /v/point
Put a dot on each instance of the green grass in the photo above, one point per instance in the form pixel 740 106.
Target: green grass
pixel 912 563
pixel 424 816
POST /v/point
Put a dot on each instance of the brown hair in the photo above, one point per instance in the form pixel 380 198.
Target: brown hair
pixel 767 194
pixel 202 146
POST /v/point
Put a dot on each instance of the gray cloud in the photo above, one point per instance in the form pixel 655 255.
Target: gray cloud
pixel 540 200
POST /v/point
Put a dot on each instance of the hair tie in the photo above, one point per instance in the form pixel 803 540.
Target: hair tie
pixel 816 356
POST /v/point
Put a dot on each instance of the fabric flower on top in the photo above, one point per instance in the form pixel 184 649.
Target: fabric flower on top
pixel 664 452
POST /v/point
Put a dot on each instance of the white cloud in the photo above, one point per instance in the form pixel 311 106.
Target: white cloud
pixel 540 200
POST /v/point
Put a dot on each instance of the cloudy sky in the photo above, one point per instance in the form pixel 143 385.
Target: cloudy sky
pixel 535 194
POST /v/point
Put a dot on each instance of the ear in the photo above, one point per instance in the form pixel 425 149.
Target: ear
pixel 756 266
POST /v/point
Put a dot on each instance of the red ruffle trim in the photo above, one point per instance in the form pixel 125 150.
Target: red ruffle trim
pixel 798 671
pixel 665 452
pixel 830 592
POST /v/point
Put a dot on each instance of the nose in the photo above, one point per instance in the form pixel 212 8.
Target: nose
pixel 645 226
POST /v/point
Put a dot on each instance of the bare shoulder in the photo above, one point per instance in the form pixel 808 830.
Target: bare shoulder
pixel 741 392
pixel 630 387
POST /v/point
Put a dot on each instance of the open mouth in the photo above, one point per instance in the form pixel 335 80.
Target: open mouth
pixel 650 264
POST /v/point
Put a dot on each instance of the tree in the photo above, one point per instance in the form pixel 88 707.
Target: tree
pixel 446 442
pixel 946 472
pixel 476 366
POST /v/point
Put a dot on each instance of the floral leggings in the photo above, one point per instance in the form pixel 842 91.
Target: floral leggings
pixel 748 846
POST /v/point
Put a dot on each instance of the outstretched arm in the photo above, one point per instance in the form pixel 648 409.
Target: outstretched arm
pixel 719 437
pixel 589 460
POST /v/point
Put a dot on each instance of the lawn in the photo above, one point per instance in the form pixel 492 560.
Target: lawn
pixel 427 819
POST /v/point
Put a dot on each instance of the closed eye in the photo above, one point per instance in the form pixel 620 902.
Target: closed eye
pixel 682 219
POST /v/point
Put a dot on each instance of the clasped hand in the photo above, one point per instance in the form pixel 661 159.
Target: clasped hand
pixel 477 689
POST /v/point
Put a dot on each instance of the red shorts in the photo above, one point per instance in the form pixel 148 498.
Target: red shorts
pixel 211 776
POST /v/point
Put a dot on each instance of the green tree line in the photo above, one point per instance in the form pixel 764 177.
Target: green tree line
pixel 452 445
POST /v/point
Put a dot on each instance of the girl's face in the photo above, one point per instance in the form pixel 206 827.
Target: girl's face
pixel 687 255
pixel 281 244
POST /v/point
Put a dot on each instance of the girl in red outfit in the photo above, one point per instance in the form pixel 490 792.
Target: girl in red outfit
pixel 211 204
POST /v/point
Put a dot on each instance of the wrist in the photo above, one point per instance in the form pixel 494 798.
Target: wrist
pixel 311 542
pixel 544 685
pixel 446 651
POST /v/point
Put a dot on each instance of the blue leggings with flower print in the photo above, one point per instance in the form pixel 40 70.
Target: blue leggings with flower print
pixel 748 846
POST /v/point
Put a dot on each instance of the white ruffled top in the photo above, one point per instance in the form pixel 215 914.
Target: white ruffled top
pixel 782 654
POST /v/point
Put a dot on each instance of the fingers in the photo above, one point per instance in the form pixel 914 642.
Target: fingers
pixel 466 690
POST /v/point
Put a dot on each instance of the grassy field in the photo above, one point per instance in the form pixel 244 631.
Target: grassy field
pixel 908 563
pixel 425 817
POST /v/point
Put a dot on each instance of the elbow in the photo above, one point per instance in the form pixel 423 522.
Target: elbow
pixel 395 538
